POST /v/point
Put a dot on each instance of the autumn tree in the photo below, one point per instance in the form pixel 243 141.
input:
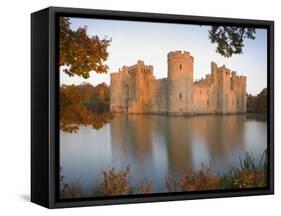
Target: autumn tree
pixel 80 53
pixel 230 40
pixel 74 110
pixel 84 105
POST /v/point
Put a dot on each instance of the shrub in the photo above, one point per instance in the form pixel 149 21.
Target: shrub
pixel 116 183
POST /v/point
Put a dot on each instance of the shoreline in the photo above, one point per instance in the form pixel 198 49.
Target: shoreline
pixel 193 114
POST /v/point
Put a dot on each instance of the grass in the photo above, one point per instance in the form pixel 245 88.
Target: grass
pixel 248 175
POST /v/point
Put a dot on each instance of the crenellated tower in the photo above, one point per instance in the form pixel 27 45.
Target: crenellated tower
pixel 223 89
pixel 180 82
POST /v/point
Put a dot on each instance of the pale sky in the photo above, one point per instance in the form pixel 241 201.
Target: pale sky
pixel 151 42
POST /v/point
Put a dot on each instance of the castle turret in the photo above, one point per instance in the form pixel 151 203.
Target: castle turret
pixel 223 87
pixel 180 82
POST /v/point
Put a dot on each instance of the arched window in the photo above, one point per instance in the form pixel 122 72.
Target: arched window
pixel 180 96
pixel 180 66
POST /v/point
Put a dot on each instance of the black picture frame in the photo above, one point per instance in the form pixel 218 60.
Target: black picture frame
pixel 45 109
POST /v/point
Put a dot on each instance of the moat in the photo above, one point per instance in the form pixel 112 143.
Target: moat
pixel 157 145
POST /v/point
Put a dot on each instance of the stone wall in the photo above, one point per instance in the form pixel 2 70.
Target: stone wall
pixel 159 95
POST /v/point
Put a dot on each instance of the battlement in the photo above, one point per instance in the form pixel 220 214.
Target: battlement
pixel 242 77
pixel 140 64
pixel 237 77
pixel 179 54
pixel 207 81
pixel 124 69
pixel 224 69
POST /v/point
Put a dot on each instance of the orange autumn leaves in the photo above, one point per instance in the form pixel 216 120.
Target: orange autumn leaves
pixel 81 105
pixel 118 183
pixel 79 52
pixel 79 55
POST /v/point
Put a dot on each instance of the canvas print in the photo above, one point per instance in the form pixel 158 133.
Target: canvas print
pixel 153 108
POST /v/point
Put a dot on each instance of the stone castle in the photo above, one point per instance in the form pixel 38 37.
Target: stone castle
pixel 135 89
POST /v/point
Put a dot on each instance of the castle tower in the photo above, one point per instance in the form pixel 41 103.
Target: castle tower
pixel 180 82
pixel 223 89
pixel 119 90
pixel 140 87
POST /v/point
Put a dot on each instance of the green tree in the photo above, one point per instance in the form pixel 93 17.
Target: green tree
pixel 80 53
pixel 257 103
pixel 230 40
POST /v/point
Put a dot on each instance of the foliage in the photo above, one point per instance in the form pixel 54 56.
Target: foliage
pixel 77 109
pixel 261 102
pixel 203 179
pixel 257 103
pixel 72 190
pixel 99 100
pixel 230 40
pixel 80 53
pixel 144 187
pixel 248 175
pixel 116 183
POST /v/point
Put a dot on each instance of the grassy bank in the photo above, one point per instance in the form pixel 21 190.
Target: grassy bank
pixel 117 182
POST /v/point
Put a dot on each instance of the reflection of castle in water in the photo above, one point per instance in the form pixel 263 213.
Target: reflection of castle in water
pixel 135 89
pixel 176 136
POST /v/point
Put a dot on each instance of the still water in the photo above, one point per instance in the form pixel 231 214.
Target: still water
pixel 155 145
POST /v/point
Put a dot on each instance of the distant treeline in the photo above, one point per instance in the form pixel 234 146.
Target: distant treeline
pixel 98 98
pixel 258 103
pixel 84 104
